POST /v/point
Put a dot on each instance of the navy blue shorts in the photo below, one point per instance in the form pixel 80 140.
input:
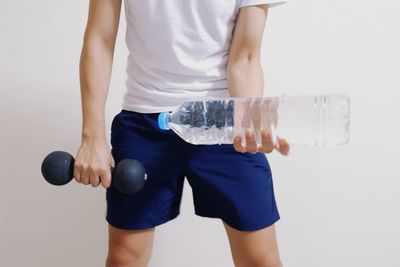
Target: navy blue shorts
pixel 235 187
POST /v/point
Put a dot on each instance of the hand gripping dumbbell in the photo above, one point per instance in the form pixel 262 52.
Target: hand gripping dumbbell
pixel 128 176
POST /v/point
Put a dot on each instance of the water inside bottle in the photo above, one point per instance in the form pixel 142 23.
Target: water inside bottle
pixel 302 120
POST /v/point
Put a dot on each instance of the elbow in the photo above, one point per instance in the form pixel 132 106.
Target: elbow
pixel 243 60
pixel 243 54
pixel 93 40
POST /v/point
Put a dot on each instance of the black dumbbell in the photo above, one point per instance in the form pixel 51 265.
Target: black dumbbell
pixel 128 176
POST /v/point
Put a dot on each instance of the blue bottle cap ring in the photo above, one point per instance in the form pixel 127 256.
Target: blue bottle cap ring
pixel 163 121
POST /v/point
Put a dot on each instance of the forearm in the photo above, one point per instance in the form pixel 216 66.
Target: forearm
pixel 245 78
pixel 95 73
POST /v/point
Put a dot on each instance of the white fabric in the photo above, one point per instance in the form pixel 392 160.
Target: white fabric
pixel 271 3
pixel 178 50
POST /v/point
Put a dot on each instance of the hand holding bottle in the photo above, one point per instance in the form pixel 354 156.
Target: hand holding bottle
pixel 255 121
pixel 267 145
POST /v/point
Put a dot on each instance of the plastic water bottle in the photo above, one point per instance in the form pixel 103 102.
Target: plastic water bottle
pixel 307 120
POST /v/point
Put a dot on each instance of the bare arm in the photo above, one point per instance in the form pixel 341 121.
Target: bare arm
pixel 96 64
pixel 245 74
pixel 93 159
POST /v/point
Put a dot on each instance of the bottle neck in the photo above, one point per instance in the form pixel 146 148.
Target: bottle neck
pixel 163 120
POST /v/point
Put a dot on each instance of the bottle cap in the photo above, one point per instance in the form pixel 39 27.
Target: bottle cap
pixel 163 121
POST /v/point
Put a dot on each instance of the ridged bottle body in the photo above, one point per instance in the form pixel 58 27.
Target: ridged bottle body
pixel 321 120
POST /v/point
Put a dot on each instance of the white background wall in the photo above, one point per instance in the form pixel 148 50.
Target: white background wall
pixel 339 206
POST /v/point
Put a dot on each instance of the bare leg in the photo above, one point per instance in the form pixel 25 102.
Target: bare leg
pixel 254 248
pixel 129 248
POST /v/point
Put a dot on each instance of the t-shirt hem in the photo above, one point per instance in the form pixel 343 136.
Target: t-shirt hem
pixel 270 3
pixel 148 109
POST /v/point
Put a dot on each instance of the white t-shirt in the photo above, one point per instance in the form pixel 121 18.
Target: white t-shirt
pixel 178 50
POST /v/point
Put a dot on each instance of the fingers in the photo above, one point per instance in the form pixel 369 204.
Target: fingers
pixel 92 174
pixel 237 144
pixel 106 178
pixel 106 175
pixel 77 173
pixel 284 147
pixel 86 174
pixel 82 172
pixel 267 145
pixel 250 146
pixel 95 177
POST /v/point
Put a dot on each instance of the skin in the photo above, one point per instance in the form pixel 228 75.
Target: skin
pixel 245 79
pixel 245 75
pixel 93 160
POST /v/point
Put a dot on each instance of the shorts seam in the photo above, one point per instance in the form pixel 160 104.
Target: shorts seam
pixel 241 227
pixel 159 222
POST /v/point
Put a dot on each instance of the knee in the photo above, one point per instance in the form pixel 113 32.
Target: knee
pixel 124 258
pixel 265 261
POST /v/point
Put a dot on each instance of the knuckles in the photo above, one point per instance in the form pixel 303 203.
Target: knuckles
pixel 89 174
pixel 85 167
pixel 81 166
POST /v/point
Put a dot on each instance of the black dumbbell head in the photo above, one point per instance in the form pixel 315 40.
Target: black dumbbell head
pixel 129 176
pixel 58 168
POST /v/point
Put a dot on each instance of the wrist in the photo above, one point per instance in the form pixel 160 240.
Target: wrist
pixel 93 135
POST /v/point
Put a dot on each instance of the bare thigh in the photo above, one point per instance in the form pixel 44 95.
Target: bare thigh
pixel 254 248
pixel 128 248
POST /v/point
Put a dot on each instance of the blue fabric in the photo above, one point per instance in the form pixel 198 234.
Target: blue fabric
pixel 235 187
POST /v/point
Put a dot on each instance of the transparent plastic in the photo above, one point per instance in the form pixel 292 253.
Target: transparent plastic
pixel 307 120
